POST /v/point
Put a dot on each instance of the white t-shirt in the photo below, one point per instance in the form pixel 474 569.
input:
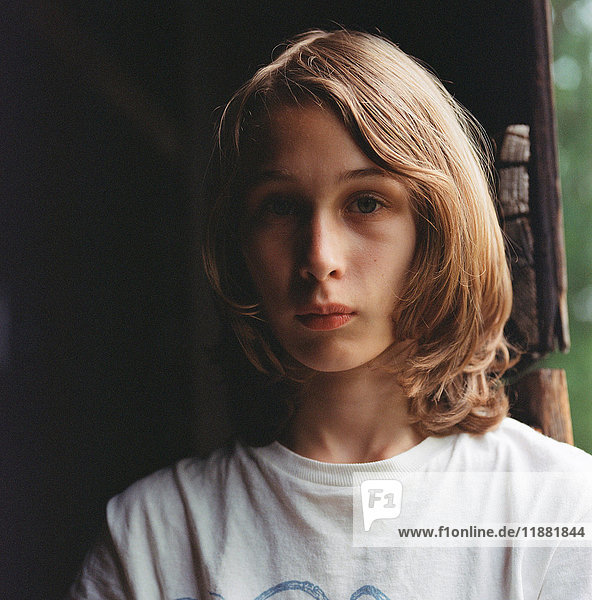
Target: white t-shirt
pixel 253 523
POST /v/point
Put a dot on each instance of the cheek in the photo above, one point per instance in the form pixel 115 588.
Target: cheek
pixel 386 273
pixel 266 263
pixel 390 260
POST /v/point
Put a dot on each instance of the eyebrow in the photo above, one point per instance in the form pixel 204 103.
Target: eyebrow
pixel 268 175
pixel 361 173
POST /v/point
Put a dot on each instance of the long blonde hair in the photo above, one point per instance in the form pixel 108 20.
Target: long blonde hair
pixel 458 295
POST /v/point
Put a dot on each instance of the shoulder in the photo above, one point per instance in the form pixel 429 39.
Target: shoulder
pixel 163 494
pixel 536 478
pixel 514 446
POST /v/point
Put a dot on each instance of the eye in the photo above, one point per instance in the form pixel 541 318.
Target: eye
pixel 366 205
pixel 280 206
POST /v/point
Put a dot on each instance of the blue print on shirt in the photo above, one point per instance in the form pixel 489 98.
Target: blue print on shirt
pixel 314 591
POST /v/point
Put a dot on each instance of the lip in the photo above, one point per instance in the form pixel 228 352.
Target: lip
pixel 324 317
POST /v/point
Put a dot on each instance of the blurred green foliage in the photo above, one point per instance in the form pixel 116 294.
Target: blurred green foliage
pixel 572 75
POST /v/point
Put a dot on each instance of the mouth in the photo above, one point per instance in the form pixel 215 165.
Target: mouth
pixel 325 317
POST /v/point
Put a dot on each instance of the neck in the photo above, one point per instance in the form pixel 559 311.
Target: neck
pixel 351 417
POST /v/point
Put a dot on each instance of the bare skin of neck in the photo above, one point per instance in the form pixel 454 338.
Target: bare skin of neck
pixel 354 416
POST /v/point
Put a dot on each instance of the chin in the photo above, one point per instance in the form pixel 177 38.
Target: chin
pixel 332 362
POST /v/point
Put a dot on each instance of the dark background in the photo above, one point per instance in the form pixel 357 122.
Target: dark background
pixel 105 123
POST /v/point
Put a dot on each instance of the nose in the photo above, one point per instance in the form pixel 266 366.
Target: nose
pixel 323 249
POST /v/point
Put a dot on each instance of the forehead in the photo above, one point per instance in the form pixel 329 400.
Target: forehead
pixel 293 135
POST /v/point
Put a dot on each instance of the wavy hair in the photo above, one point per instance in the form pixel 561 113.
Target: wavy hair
pixel 458 295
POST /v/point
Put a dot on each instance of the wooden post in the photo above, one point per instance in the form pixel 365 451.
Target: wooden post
pixel 530 212
pixel 545 193
pixel 514 206
pixel 540 400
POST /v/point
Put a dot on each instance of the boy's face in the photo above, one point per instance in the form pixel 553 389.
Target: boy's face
pixel 328 239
